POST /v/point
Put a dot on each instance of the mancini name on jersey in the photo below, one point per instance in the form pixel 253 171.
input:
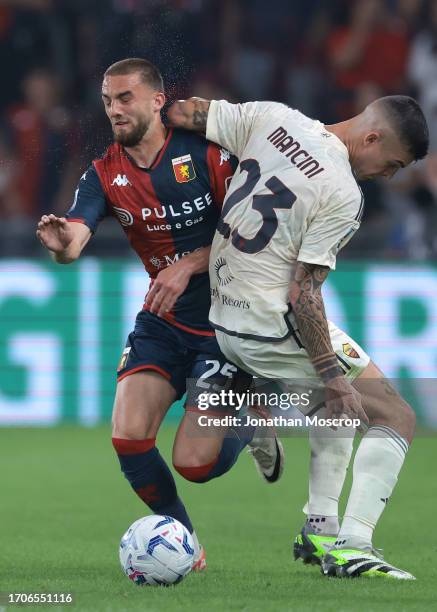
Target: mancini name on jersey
pixel 295 152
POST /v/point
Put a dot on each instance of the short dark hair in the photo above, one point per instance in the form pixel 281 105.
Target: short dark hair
pixel 149 72
pixel 409 123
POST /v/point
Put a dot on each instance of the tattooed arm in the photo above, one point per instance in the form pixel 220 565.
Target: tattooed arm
pixel 191 114
pixel 309 309
pixel 228 125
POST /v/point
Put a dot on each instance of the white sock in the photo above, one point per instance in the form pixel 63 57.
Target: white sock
pixel 322 525
pixel 330 456
pixel 378 461
pixel 196 545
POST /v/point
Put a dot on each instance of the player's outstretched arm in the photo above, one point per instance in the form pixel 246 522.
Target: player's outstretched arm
pixel 191 114
pixel 63 239
pixel 309 309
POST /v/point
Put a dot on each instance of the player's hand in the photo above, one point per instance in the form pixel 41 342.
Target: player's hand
pixel 343 401
pixel 169 284
pixel 55 233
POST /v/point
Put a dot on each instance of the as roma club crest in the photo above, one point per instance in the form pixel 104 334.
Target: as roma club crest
pixel 183 168
pixel 350 351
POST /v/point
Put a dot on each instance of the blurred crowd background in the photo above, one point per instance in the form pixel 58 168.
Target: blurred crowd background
pixel 329 58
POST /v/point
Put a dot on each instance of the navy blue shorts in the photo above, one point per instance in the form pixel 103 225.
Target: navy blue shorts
pixel 183 358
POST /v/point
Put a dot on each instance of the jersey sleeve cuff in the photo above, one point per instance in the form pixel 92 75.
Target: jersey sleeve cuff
pixel 76 220
pixel 329 262
pixel 211 123
pixel 80 220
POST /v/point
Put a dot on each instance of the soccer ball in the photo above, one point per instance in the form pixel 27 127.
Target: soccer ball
pixel 156 550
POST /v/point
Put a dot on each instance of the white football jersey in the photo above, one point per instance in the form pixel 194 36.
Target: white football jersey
pixel 293 197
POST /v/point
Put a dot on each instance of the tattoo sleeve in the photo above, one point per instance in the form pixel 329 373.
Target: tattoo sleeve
pixel 309 310
pixel 191 114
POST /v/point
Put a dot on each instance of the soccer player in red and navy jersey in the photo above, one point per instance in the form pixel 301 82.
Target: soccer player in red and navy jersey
pixel 166 188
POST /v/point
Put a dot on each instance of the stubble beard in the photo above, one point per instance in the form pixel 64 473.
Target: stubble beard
pixel 134 137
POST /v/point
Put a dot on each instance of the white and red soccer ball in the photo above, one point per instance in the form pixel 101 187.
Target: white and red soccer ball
pixel 156 550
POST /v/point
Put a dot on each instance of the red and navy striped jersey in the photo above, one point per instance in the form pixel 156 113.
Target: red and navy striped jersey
pixel 167 211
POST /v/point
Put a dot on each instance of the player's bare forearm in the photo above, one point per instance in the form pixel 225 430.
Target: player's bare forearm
pixel 191 114
pixel 65 257
pixel 171 282
pixel 69 254
pixel 74 249
pixel 309 309
pixel 63 240
pixel 197 261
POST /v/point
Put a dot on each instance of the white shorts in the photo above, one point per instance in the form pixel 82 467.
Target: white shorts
pixel 288 363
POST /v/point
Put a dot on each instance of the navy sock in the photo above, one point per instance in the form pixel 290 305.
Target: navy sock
pixel 236 439
pixel 151 478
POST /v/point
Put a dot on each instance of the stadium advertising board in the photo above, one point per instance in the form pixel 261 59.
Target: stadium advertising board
pixel 63 329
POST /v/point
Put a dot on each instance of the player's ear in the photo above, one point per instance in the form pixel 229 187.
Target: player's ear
pixel 372 138
pixel 159 100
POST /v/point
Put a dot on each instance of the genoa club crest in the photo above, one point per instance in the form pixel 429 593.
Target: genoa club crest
pixel 183 168
pixel 124 358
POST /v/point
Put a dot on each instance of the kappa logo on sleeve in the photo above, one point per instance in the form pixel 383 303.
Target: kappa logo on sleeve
pixel 183 168
pixel 224 156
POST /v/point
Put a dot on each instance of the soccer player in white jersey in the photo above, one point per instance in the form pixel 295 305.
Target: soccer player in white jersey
pixel 291 206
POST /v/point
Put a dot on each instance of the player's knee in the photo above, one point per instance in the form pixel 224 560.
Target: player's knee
pixel 198 473
pixel 193 466
pixel 400 417
pixel 129 432
pixel 123 427
pixel 403 418
pixel 132 425
pixel 408 420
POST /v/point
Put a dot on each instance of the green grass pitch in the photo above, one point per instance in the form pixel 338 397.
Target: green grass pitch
pixel 65 505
